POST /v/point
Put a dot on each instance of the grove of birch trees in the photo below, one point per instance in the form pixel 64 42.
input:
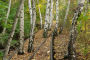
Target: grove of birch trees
pixel 22 22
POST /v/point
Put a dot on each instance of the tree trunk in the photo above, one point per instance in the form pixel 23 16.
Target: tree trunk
pixel 4 29
pixel 57 13
pixel 21 51
pixel 31 40
pixel 40 17
pixel 40 14
pixel 57 17
pixel 46 19
pixel 73 34
pixel 13 30
pixel 51 14
pixel 30 10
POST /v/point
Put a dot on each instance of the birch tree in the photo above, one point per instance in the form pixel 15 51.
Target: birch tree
pixel 57 16
pixel 8 12
pixel 13 30
pixel 40 17
pixel 33 20
pixel 30 10
pixel 40 14
pixel 46 19
pixel 57 13
pixel 73 33
pixel 21 51
pixel 51 13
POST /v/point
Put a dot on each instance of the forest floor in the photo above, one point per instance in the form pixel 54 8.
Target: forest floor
pixel 60 45
pixel 43 53
pixel 60 48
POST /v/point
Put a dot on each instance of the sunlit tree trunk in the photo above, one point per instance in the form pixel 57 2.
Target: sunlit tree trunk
pixel 21 51
pixel 8 12
pixel 57 16
pixel 46 19
pixel 57 13
pixel 31 39
pixel 40 17
pixel 13 30
pixel 51 13
pixel 73 33
pixel 30 10
pixel 40 14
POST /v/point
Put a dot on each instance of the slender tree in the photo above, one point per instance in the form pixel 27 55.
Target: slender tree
pixel 30 10
pixel 40 14
pixel 8 12
pixel 46 19
pixel 51 14
pixel 21 51
pixel 57 16
pixel 13 30
pixel 57 13
pixel 40 17
pixel 73 33
pixel 31 39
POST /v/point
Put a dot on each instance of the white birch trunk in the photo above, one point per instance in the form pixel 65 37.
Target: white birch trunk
pixel 31 40
pixel 8 12
pixel 30 10
pixel 46 19
pixel 40 14
pixel 73 34
pixel 47 14
pixel 40 17
pixel 21 51
pixel 13 30
pixel 57 13
pixel 34 15
pixel 51 13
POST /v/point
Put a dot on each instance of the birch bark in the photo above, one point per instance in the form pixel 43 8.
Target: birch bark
pixel 57 13
pixel 51 13
pixel 31 40
pixel 46 19
pixel 8 12
pixel 73 33
pixel 40 14
pixel 40 17
pixel 21 51
pixel 30 10
pixel 13 30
